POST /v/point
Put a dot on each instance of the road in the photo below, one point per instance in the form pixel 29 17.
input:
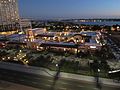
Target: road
pixel 49 83
pixel 115 48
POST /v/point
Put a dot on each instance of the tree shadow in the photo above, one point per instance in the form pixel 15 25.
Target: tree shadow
pixel 57 75
pixel 98 82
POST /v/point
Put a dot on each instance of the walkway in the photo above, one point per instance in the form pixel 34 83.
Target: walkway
pixel 46 72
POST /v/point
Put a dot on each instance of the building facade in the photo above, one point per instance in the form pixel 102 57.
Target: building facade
pixel 25 24
pixel 9 16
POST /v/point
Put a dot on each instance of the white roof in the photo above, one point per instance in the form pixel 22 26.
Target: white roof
pixel 92 44
pixel 37 29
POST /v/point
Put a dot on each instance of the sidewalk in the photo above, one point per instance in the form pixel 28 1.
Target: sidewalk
pixel 46 72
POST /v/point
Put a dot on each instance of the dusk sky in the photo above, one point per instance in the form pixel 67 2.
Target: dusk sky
pixel 69 8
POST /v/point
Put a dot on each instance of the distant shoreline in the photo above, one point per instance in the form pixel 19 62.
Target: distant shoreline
pixel 108 23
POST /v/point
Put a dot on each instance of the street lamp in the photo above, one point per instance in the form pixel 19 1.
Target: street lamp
pixel 20 51
pixel 98 70
pixel 56 65
pixel 98 84
pixel 77 45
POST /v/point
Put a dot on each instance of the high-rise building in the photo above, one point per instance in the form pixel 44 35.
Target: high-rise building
pixel 9 17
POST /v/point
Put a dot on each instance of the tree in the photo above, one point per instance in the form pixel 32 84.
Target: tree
pixel 94 66
pixel 96 27
pixel 104 66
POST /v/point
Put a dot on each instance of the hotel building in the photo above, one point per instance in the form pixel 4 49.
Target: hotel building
pixel 9 17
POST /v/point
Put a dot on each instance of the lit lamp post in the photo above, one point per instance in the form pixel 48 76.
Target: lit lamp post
pixel 98 71
pixel 77 45
pixel 98 84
